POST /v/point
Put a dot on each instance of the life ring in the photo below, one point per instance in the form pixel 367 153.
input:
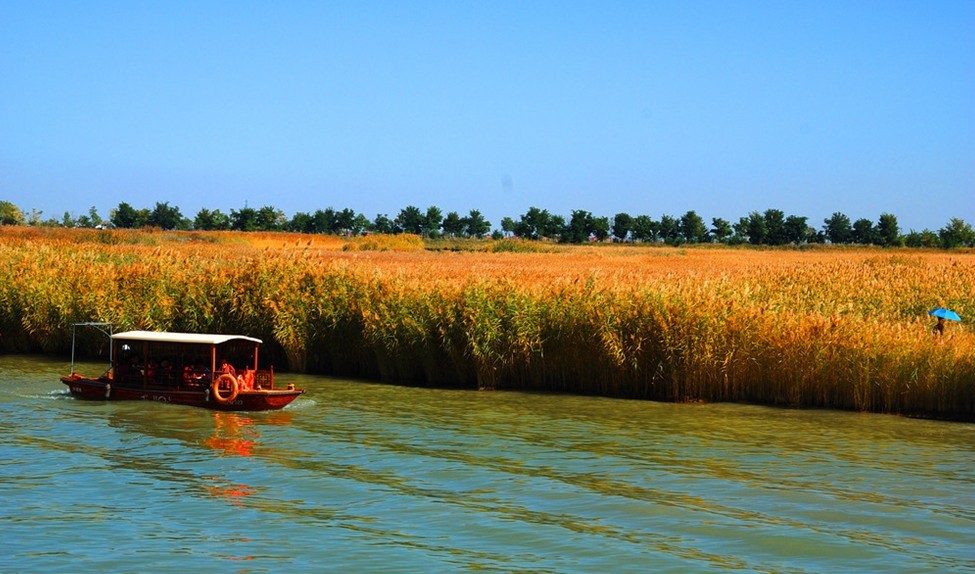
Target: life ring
pixel 215 388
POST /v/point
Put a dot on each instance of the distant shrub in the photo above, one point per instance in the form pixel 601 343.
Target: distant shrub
pixel 401 242
pixel 519 246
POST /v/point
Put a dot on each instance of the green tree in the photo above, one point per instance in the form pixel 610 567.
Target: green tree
pixel 775 232
pixel 453 225
pixel 579 228
pixel 432 221
pixel 243 220
pixel 383 224
pixel 508 225
pixel 92 220
pixel 346 222
pixel 956 234
pixel 622 224
pixel 165 217
pixel 326 221
pixel 668 228
pixel 797 230
pixel 925 238
pixel 863 232
pixel 600 228
pixel 10 214
pixel 360 224
pixel 410 220
pixel 556 225
pixel 888 232
pixel 644 229
pixel 720 230
pixel 752 228
pixel 301 222
pixel 35 217
pixel 207 220
pixel 838 229
pixel 127 217
pixel 96 220
pixel 692 228
pixel 270 219
pixel 475 225
pixel 534 224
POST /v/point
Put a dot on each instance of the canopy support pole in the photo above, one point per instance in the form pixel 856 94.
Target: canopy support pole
pixel 101 327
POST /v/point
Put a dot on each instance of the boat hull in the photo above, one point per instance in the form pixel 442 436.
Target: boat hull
pixel 104 389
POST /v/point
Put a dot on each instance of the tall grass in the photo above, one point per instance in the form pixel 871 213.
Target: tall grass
pixel 844 329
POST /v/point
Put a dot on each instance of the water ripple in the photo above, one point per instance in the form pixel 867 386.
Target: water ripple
pixel 368 477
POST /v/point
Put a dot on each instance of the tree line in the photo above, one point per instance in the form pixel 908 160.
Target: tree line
pixel 771 227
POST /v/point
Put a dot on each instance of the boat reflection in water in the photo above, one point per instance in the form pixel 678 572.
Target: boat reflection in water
pixel 238 435
pixel 233 435
pixel 178 435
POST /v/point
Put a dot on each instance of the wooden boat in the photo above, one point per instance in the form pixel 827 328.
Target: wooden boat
pixel 212 371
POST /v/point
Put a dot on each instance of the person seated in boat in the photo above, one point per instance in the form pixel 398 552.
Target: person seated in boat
pixel 128 369
pixel 165 372
pixel 152 369
pixel 246 380
pixel 135 366
pixel 200 372
pixel 226 367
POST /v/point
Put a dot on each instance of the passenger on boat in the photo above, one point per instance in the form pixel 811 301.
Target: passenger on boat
pixel 226 367
pixel 200 372
pixel 134 368
pixel 159 372
pixel 246 380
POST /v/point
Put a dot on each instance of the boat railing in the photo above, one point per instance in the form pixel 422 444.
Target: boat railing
pixel 264 379
pixel 189 380
pixel 258 380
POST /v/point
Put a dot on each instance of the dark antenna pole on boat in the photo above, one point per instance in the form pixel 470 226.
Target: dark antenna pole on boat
pixel 99 326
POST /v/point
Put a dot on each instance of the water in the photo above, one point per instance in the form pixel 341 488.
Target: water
pixel 366 477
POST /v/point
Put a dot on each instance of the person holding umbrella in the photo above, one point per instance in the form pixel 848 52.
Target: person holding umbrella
pixel 942 314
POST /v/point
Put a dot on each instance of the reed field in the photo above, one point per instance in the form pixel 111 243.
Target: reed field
pixel 823 327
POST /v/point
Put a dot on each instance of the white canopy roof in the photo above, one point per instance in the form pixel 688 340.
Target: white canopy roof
pixel 195 338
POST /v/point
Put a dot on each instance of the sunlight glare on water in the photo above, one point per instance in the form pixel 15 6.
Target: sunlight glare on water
pixel 359 476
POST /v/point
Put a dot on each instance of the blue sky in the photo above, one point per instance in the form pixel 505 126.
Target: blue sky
pixel 649 108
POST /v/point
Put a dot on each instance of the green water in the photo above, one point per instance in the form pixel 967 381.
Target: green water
pixel 366 477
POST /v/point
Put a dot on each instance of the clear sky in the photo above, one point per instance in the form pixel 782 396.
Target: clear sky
pixel 650 108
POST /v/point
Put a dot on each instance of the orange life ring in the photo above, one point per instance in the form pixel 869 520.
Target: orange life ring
pixel 215 388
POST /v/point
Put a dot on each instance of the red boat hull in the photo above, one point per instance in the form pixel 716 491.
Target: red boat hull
pixel 103 389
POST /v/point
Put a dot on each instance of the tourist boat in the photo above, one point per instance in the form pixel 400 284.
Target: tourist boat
pixel 212 371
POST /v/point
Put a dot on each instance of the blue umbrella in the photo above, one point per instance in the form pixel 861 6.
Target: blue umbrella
pixel 944 313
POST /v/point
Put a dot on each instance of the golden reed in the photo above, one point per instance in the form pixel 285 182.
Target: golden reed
pixel 840 328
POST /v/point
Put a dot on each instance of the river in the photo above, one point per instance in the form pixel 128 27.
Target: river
pixel 365 477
